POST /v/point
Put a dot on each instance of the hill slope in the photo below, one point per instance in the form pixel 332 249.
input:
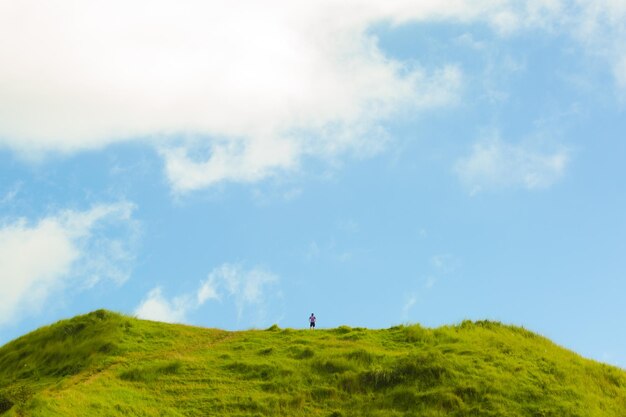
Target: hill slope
pixel 105 364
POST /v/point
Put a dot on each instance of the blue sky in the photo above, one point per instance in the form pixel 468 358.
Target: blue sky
pixel 373 162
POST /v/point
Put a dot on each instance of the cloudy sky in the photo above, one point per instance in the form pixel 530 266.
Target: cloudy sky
pixel 374 162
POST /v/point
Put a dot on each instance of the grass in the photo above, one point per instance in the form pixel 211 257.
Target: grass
pixel 105 364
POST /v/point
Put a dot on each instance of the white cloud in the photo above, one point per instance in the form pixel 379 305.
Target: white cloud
pixel 155 307
pixel 443 263
pixel 231 92
pixel 207 291
pixel 495 164
pixel 10 195
pixel 238 161
pixel 246 288
pixel 36 260
pixel 601 28
pixel 430 281
pixel 408 305
pixel 241 90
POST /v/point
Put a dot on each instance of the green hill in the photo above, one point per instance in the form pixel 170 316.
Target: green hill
pixel 105 364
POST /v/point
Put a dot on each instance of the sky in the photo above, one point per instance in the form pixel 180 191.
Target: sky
pixel 240 164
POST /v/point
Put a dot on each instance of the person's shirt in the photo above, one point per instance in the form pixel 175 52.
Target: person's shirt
pixel 312 319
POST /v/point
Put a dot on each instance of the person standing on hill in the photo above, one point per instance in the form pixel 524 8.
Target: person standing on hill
pixel 312 321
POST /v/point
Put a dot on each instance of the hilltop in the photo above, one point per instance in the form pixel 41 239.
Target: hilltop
pixel 106 364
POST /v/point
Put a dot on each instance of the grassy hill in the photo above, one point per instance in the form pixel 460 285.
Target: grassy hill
pixel 105 364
